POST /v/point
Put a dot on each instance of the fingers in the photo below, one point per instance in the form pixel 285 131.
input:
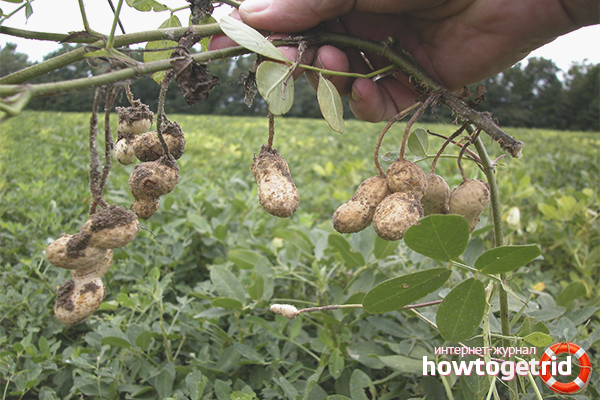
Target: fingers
pixel 332 59
pixel 380 101
pixel 291 15
pixel 294 15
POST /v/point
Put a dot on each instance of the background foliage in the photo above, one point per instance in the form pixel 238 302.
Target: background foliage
pixel 187 311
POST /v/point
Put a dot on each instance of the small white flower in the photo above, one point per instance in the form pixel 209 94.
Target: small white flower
pixel 287 310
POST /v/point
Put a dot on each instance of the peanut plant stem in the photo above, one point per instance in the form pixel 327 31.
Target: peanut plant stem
pixel 488 170
pixel 63 60
pixel 53 88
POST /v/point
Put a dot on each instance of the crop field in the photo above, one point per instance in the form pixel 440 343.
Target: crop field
pixel 187 310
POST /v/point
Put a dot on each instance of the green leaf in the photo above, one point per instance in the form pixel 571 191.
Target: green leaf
pixel 530 325
pixel 249 38
pixel 403 290
pixel 143 340
pixel 384 248
pixel 249 353
pixel 538 339
pixel 226 283
pixel 195 384
pixel 572 291
pixel 441 237
pixel 270 79
pixel 227 303
pixel 418 142
pixel 506 258
pixel 150 56
pixel 366 353
pixel 115 341
pixel 360 384
pixel 340 244
pixel 244 258
pixel 199 222
pixel 403 364
pixel 28 10
pixel 256 290
pixel 164 384
pixel 125 301
pixel 330 103
pixel 336 363
pixel 146 5
pixel 222 390
pixel 461 312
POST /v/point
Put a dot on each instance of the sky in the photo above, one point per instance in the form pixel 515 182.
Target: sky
pixel 574 47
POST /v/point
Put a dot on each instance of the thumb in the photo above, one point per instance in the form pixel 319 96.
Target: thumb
pixel 291 15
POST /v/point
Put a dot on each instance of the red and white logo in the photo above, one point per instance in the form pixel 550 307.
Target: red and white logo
pixel 548 369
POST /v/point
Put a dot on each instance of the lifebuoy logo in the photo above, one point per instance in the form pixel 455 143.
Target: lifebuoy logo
pixel 548 368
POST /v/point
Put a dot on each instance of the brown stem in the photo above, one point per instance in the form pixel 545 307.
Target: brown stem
pixel 161 117
pixel 483 121
pixel 472 139
pixel 448 140
pixel 129 95
pixel 431 99
pixel 271 130
pixel 94 173
pixel 391 122
pixel 108 142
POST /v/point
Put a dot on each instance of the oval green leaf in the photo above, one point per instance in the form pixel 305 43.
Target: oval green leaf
pixel 418 142
pixel 360 385
pixel 538 339
pixel 398 292
pixel 573 291
pixel 227 303
pixel 441 237
pixel 256 290
pixel 340 244
pixel 384 248
pixel 244 258
pixel 249 38
pixel 226 283
pixel 461 312
pixel 270 79
pixel 506 258
pixel 115 341
pixel 330 103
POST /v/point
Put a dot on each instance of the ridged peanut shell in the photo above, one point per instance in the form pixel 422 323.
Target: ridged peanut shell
pixel 77 300
pixel 147 146
pixel 407 177
pixel 469 199
pixel 112 227
pixel 145 209
pixel 437 195
pixel 124 151
pixel 150 180
pixel 133 121
pixel 357 213
pixel 95 271
pixel 277 192
pixel 395 214
pixel 74 252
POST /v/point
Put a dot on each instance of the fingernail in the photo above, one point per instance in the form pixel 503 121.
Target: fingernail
pixel 355 96
pixel 254 6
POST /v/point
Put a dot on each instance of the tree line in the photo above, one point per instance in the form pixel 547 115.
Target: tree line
pixel 531 94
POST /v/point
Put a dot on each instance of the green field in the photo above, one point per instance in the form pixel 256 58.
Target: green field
pixel 169 328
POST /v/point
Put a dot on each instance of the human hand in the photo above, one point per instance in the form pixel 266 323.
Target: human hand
pixel 459 42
